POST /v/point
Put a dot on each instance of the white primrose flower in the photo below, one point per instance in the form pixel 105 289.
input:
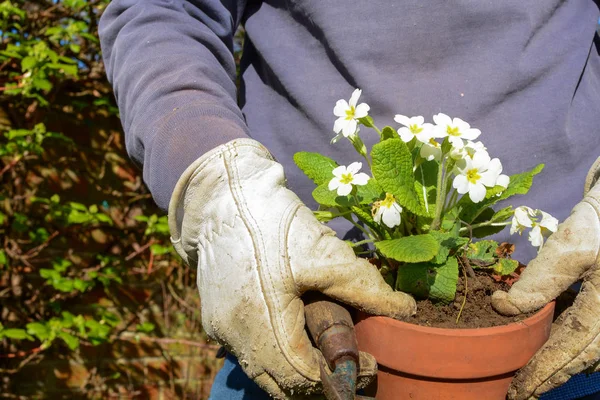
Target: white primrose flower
pixel 525 217
pixel 345 177
pixel 474 175
pixel 414 127
pixel 387 210
pixel 348 114
pixel 455 129
pixel 522 219
pixel 547 225
pixel 431 150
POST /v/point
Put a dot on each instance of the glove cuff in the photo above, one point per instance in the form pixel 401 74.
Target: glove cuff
pixel 592 176
pixel 209 159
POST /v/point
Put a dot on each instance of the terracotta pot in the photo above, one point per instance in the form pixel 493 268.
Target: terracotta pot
pixel 422 363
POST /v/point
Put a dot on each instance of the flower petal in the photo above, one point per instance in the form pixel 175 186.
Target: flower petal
pixel 481 160
pixel 334 184
pixel 344 189
pixel 339 171
pixel 391 217
pixel 362 110
pixel 350 128
pixel 405 134
pixel 354 167
pixel 354 98
pixel 488 178
pixel 477 192
pixel 442 119
pixel 503 180
pixel 360 179
pixel 402 119
pixel 339 124
pixel 461 184
pixel 341 106
pixel 470 134
pixel 548 222
pixel 535 236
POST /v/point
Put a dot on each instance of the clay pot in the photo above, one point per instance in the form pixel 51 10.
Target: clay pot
pixel 422 363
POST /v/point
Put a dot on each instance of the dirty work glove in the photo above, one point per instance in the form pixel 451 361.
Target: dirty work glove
pixel 257 249
pixel 570 254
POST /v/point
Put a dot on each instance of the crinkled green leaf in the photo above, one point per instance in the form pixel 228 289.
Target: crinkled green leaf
pixel 316 166
pixel 410 249
pixel 388 133
pixel 393 169
pixel 426 280
pixel 448 243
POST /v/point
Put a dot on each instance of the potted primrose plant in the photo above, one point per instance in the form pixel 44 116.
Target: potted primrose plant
pixel 425 210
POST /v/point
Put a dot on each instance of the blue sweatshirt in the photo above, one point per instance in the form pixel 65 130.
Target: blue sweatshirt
pixel 525 72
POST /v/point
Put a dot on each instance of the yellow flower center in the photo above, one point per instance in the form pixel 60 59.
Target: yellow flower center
pixel 473 176
pixel 389 200
pixel 452 130
pixel 350 113
pixel 346 178
pixel 414 128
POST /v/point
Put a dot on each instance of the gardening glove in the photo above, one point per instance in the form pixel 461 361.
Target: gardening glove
pixel 258 248
pixel 570 254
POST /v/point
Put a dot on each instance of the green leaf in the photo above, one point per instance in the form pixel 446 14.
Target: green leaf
pixel 519 184
pixel 28 63
pixel 482 253
pixel 367 121
pixel 448 243
pixel 393 169
pixel 388 133
pixel 366 194
pixel 158 249
pixel 411 249
pixel 38 330
pixel 15 333
pixel 3 258
pixel 505 266
pixel 425 280
pixel 146 327
pixel 71 341
pixel 316 166
pixel 75 48
pixel 366 218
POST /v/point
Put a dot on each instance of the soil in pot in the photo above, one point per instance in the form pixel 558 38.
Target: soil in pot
pixel 475 312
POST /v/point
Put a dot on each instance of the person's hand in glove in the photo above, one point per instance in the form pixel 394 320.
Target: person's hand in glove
pixel 258 249
pixel 570 254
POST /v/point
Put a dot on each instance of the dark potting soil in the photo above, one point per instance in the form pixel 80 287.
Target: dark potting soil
pixel 477 311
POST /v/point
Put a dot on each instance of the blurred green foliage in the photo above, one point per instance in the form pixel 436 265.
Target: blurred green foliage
pixel 78 229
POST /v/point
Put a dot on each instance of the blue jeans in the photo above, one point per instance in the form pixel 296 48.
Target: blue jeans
pixel 231 383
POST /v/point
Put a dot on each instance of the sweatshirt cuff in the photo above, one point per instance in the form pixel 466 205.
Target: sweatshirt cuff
pixel 182 137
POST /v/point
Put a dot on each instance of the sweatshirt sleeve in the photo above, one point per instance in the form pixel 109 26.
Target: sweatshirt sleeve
pixel 171 65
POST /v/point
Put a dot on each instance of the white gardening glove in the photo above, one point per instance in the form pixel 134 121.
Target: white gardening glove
pixel 258 249
pixel 570 254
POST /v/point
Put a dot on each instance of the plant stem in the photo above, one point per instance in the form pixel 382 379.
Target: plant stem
pixel 356 244
pixel 465 296
pixel 424 188
pixel 366 232
pixel 440 198
pixel 488 223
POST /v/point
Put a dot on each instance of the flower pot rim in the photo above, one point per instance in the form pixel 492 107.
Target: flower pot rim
pixel 513 326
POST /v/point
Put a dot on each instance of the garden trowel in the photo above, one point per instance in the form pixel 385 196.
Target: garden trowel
pixel 332 330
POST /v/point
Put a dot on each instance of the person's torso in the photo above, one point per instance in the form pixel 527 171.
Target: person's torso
pixel 527 73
